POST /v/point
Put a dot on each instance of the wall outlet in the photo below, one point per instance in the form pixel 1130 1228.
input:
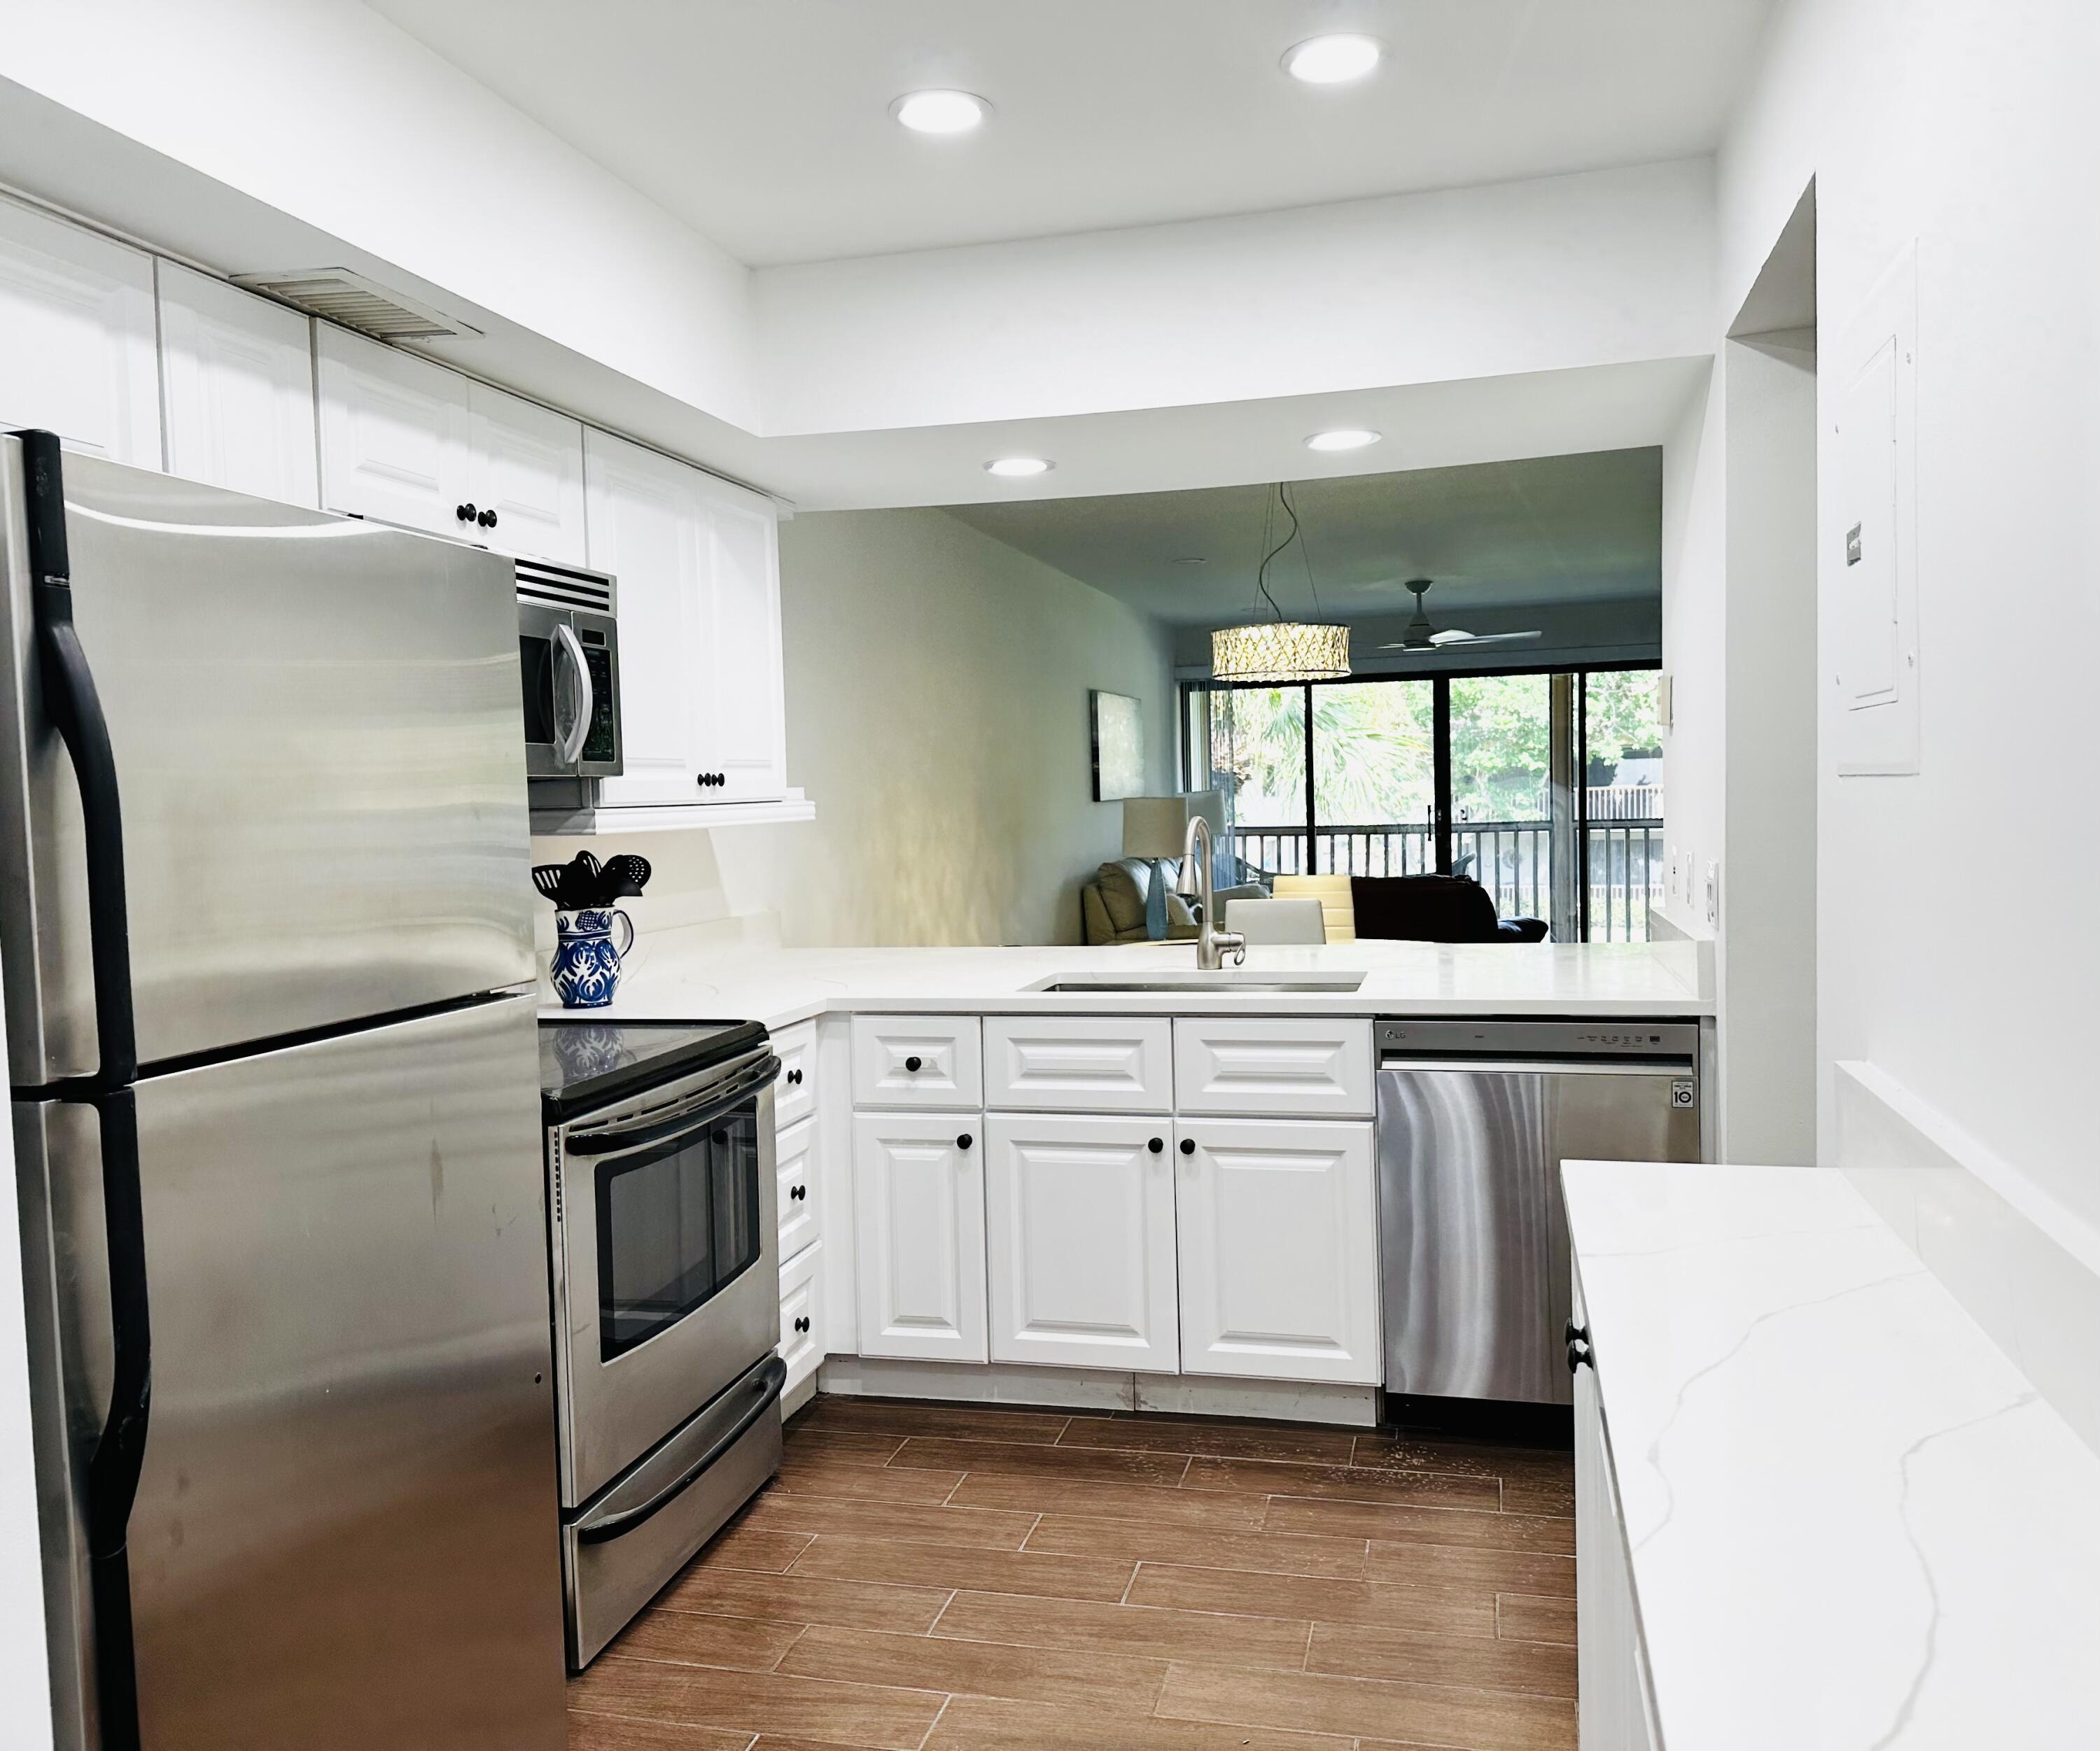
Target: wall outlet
pixel 1713 893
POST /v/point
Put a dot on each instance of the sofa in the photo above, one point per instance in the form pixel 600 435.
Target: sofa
pixel 1112 906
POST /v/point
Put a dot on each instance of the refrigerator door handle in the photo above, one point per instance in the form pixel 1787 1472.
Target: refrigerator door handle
pixel 120 1454
pixel 573 747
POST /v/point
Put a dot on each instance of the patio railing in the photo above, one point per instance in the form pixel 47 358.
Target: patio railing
pixel 1513 860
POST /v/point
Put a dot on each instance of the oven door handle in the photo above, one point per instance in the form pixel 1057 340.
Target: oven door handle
pixel 766 1395
pixel 620 1140
pixel 572 745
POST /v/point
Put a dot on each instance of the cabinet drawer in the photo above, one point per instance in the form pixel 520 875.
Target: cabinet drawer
pixel 802 1315
pixel 1082 1064
pixel 794 1095
pixel 802 1187
pixel 1287 1068
pixel 917 1061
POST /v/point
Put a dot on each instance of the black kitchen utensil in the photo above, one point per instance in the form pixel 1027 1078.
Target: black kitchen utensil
pixel 548 878
pixel 624 877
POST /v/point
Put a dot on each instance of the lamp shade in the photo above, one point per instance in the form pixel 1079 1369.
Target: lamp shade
pixel 1157 827
pixel 1280 651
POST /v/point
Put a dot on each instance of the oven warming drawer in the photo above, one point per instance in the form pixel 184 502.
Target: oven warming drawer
pixel 617 1554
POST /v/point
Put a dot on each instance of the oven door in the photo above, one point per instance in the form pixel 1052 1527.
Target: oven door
pixel 666 1261
pixel 569 661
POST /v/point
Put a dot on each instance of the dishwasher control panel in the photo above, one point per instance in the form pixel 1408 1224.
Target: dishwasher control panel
pixel 1540 1039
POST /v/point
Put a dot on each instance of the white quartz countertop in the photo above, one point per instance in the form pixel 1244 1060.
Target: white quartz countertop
pixel 1853 1522
pixel 664 980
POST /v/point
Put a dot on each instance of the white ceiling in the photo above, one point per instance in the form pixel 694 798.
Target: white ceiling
pixel 764 123
pixel 1554 530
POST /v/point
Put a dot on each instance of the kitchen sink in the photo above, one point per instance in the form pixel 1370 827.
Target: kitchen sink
pixel 1226 981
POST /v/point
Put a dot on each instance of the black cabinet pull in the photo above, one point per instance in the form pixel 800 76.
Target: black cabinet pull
pixel 487 519
pixel 1572 1333
pixel 802 1324
pixel 466 513
pixel 1157 1144
pixel 963 1142
pixel 1187 1145
pixel 1578 1353
pixel 912 1065
pixel 799 1191
pixel 795 1077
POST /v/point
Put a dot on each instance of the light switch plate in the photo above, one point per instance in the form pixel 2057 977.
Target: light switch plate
pixel 1713 893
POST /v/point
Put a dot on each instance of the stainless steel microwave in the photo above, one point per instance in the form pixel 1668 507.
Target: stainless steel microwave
pixel 568 648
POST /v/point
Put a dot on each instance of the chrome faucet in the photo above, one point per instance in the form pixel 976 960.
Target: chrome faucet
pixel 1193 883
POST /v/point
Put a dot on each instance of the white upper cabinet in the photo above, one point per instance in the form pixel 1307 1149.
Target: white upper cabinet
pixel 526 477
pixel 697 566
pixel 394 435
pixel 237 377
pixel 76 346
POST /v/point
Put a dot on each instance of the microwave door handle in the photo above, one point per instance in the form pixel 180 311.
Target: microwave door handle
pixel 571 749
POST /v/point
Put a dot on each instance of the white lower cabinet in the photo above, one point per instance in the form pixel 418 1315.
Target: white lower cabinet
pixel 1079 1230
pixel 801 1192
pixel 802 1314
pixel 1277 1226
pixel 1614 1712
pixel 918 1228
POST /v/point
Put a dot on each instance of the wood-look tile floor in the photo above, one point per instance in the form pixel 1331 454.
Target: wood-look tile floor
pixel 964 1578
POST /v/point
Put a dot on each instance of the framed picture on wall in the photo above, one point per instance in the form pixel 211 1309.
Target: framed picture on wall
pixel 1118 725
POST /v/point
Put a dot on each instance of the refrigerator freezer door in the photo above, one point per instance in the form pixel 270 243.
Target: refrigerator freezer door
pixel 320 747
pixel 346 1534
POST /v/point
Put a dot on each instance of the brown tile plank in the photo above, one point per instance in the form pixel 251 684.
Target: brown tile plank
pixel 834 1477
pixel 1448 1611
pixel 1125 1629
pixel 851 1714
pixel 1262 1553
pixel 1111 1501
pixel 1539 1495
pixel 1520 1617
pixel 1481 1720
pixel 779 1742
pixel 980 1669
pixel 609 1732
pixel 980 1529
pixel 852 1446
pixel 1343 1482
pixel 1400 1522
pixel 696 1638
pixel 1237 1440
pixel 798 1599
pixel 1404 1451
pixel 1480 1662
pixel 983 1423
pixel 932 1565
pixel 1443 1565
pixel 1014 1458
pixel 744 1545
pixel 979 1723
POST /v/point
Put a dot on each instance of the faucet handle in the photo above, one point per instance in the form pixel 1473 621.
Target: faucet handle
pixel 1231 942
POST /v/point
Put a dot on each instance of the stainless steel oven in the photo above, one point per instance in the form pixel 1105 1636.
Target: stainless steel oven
pixel 568 652
pixel 666 1285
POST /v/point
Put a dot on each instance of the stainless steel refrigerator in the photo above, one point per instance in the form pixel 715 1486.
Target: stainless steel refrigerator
pixel 265 930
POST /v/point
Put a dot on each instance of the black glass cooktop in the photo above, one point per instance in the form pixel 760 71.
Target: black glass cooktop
pixel 585 1062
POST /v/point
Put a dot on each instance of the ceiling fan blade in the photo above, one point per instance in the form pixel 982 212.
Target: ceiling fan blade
pixel 1446 641
pixel 1405 645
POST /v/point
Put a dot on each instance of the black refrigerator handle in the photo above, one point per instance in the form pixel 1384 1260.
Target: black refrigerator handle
pixel 113 1469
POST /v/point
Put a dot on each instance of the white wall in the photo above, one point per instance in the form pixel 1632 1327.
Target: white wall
pixel 938 710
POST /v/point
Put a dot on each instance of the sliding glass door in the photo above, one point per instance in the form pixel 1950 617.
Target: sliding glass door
pixel 1375 778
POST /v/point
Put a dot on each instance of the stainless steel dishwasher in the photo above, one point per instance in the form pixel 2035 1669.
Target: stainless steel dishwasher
pixel 1474 1120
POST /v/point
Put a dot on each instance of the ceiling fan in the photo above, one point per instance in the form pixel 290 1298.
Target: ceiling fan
pixel 1421 636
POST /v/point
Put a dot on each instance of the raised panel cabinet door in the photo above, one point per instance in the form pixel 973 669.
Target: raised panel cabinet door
pixel 918 1223
pixel 1284 1067
pixel 1079 1240
pixel 744 734
pixel 237 377
pixel 76 346
pixel 1614 1713
pixel 802 1315
pixel 1277 1221
pixel 529 472
pixel 795 1094
pixel 645 526
pixel 801 1193
pixel 921 1061
pixel 394 434
pixel 1079 1064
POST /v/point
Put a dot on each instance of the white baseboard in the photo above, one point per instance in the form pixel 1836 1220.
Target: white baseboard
pixel 798 1395
pixel 2024 1268
pixel 1098 1389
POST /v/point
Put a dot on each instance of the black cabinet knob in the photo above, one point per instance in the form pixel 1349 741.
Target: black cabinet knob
pixel 1572 1333
pixel 487 519
pixel 963 1142
pixel 798 1191
pixel 1157 1144
pixel 1578 1353
pixel 1187 1145
pixel 465 513
pixel 912 1065
pixel 794 1076
pixel 802 1324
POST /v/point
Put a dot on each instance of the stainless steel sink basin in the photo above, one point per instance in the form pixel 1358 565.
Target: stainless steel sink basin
pixel 1209 982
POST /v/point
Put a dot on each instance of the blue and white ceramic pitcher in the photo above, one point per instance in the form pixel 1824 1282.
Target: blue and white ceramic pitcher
pixel 586 969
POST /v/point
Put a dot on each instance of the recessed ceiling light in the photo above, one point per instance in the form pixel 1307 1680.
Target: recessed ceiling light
pixel 1333 60
pixel 1350 439
pixel 1193 559
pixel 1018 467
pixel 940 112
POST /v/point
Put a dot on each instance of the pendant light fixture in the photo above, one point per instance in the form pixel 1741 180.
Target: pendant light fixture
pixel 1280 649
